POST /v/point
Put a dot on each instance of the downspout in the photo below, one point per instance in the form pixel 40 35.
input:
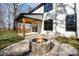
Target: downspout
pixel 55 20
pixel 76 19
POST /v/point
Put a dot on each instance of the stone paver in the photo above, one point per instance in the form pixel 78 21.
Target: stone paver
pixel 62 50
pixel 67 50
pixel 16 49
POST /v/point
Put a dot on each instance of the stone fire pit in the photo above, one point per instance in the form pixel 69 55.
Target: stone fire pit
pixel 41 45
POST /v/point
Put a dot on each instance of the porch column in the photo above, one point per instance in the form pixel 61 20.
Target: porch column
pixel 23 27
pixel 16 26
pixel 30 27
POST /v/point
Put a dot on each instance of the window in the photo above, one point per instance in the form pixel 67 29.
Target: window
pixel 47 7
pixel 35 28
pixel 71 22
pixel 48 24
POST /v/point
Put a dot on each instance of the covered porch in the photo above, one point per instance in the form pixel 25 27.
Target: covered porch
pixel 34 22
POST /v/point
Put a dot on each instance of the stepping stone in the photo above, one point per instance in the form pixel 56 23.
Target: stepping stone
pixel 16 49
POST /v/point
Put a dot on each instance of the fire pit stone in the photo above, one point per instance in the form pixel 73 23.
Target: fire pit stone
pixel 41 45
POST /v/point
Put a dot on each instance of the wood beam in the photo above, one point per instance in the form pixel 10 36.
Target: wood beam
pixel 24 26
pixel 31 20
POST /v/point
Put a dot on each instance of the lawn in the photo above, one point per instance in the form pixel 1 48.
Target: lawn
pixel 8 37
pixel 69 40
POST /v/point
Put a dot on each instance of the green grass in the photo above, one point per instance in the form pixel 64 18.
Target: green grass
pixel 8 37
pixel 69 40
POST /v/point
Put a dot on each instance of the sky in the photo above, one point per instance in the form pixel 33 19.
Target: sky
pixel 25 6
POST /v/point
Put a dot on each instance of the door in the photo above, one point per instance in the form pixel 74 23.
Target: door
pixel 35 28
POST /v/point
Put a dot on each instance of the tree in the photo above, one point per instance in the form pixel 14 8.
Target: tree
pixel 2 12
pixel 15 13
pixel 9 12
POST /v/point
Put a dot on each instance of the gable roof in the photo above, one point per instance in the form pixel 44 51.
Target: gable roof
pixel 30 14
pixel 37 16
pixel 37 7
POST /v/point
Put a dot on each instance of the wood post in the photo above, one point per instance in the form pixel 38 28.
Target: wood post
pixel 16 26
pixel 23 27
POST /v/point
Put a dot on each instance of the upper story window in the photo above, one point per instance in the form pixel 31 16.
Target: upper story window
pixel 71 22
pixel 48 7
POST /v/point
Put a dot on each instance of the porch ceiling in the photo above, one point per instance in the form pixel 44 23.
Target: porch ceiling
pixel 30 20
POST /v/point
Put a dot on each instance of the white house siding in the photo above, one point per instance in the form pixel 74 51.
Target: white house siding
pixel 61 26
pixel 77 9
pixel 47 15
pixel 40 10
pixel 35 16
pixel 39 27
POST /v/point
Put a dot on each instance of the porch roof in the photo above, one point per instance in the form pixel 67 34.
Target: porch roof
pixel 35 16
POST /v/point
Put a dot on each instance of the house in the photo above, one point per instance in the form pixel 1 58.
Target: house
pixel 59 19
pixel 34 19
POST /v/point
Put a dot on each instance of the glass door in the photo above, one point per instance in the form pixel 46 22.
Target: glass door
pixel 35 28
